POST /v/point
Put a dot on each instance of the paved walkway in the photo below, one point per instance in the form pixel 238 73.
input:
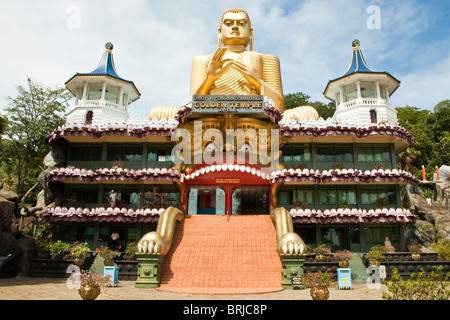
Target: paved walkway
pixel 57 289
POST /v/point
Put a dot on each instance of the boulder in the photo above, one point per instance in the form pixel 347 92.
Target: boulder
pixel 11 240
pixel 433 218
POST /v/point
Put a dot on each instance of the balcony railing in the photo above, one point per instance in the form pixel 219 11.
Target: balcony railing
pixel 364 101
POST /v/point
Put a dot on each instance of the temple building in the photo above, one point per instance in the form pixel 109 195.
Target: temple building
pixel 335 181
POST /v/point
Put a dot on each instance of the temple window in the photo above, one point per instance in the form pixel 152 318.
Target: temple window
pixel 378 196
pixel 89 117
pixel 337 196
pixel 94 91
pixel 80 196
pixel 373 116
pixel 289 193
pixel 159 152
pixel 374 152
pixel 111 94
pixel 296 153
pixel 85 152
pixel 124 152
pixel 334 152
pixel 351 92
pixel 126 195
pixel 368 90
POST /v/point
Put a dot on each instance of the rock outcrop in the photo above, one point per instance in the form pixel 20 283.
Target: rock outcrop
pixel 434 214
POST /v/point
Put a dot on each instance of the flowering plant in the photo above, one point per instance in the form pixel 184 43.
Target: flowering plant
pixel 415 249
pixel 382 201
pixel 341 255
pixel 93 279
pixel 79 250
pixel 117 164
pixel 105 252
pixel 377 252
pixel 322 249
pixel 131 248
pixel 58 249
pixel 299 203
pixel 318 279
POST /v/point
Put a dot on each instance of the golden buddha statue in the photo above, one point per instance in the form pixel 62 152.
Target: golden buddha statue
pixel 233 70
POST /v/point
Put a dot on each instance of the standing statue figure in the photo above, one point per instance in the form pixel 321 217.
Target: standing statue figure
pixel 233 70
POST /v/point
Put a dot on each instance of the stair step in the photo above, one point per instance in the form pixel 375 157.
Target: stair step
pixel 211 255
pixel 359 271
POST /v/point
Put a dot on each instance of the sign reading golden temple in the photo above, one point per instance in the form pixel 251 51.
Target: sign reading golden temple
pixel 227 103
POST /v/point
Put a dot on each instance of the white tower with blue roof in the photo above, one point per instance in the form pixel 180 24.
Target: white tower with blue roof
pixel 361 94
pixel 101 96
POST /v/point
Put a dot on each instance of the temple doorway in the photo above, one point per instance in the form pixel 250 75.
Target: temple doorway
pixel 250 200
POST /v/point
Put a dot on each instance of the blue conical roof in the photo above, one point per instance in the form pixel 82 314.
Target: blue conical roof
pixel 106 67
pixel 358 65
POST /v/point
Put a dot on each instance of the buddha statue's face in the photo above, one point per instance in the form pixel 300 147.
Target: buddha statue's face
pixel 235 29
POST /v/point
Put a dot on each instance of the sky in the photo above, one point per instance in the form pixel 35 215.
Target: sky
pixel 155 41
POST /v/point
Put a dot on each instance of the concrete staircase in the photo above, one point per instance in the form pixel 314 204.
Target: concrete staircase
pixel 211 255
pixel 359 271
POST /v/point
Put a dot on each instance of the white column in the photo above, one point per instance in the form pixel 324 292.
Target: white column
pixel 341 94
pixel 377 85
pixel 358 89
pixel 85 91
pixel 120 96
pixel 103 91
pixel 387 95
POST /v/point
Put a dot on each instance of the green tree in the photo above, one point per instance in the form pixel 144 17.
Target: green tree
pixel 432 133
pixel 32 115
pixel 297 99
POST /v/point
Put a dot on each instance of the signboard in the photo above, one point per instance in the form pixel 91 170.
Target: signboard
pixel 220 201
pixel 296 282
pixel 227 104
pixel 382 270
pixel 228 180
pixel 192 201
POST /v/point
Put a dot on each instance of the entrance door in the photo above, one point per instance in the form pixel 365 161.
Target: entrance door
pixel 250 200
pixel 206 200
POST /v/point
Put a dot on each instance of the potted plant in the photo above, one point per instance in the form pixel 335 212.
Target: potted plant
pixel 58 249
pixel 375 255
pixel 321 251
pixel 78 251
pixel 382 202
pixel 319 283
pixel 42 248
pixel 343 257
pixel 298 204
pixel 130 251
pixel 107 254
pixel 90 284
pixel 117 164
pixel 415 250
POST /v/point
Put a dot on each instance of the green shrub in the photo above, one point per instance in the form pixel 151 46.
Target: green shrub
pixel 58 248
pixel 419 287
pixel 442 247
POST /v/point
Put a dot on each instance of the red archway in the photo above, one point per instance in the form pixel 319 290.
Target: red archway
pixel 228 180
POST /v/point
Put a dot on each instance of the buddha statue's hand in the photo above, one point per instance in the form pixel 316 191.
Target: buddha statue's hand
pixel 152 242
pixel 250 74
pixel 216 66
pixel 291 243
